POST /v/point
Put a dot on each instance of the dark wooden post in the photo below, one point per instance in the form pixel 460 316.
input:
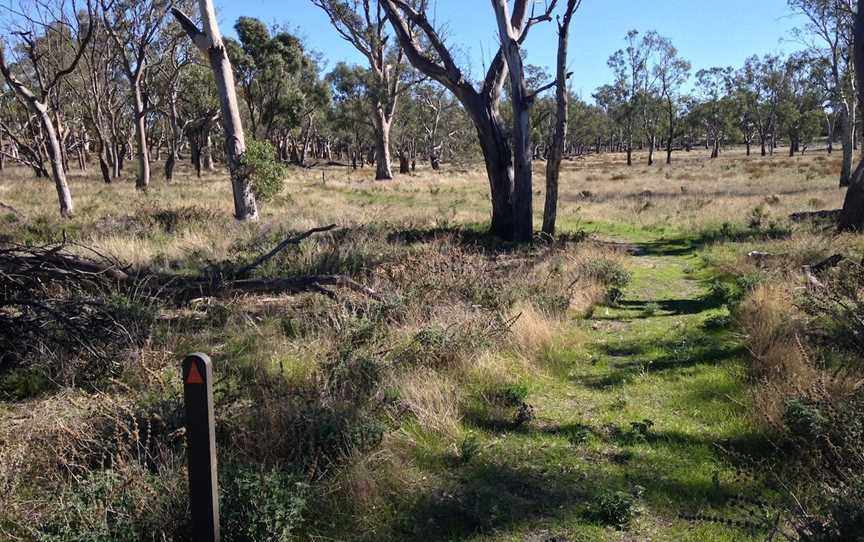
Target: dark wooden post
pixel 201 447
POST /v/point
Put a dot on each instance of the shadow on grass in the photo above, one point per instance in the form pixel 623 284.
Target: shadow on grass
pixel 683 351
pixel 672 307
pixel 474 236
pixel 493 497
pixel 683 246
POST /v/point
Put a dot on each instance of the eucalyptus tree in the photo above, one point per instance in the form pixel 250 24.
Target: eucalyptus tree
pixel 509 177
pixel 715 110
pixel 168 81
pixel 746 106
pixel 630 66
pixel 800 114
pixel 197 112
pixel 23 135
pixel 828 34
pixel 98 86
pixel 349 116
pixel 435 108
pixel 49 41
pixel 852 215
pixel 209 42
pixel 611 101
pixel 649 97
pixel 134 26
pixel 363 24
pixel 670 72
pixel 265 67
pixel 758 87
pixel 562 107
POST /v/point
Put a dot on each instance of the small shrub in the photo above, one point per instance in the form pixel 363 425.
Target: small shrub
pixel 757 217
pixel 609 273
pixel 841 521
pixel 716 322
pixel 509 394
pixel 524 415
pixel 605 271
pixel 613 296
pixel 578 434
pixel 616 508
pixel 468 448
pixel 641 429
pixel 723 293
pixel 650 309
pixel 261 504
pixel 259 164
pixel 805 420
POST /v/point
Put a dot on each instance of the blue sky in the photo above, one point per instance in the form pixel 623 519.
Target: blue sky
pixel 708 33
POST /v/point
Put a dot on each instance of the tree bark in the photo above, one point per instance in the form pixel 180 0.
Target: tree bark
pixel 511 204
pixel 562 105
pixel 852 215
pixel 55 153
pixel 210 43
pixel 652 144
pixel 523 227
pixel 846 142
pixel 143 181
pixel 383 169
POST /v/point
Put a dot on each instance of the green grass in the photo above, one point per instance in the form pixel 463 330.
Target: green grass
pixel 648 409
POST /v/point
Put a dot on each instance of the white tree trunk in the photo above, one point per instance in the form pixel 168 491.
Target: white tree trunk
pixel 143 180
pixel 55 152
pixel 210 43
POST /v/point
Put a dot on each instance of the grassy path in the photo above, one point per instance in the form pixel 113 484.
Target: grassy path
pixel 635 422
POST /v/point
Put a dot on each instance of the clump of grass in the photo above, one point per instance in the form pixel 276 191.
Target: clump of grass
pixel 616 508
pixel 433 399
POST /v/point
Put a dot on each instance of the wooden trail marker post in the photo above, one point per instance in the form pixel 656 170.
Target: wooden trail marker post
pixel 201 447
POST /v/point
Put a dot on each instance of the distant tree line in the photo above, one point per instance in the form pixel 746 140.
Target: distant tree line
pixel 114 82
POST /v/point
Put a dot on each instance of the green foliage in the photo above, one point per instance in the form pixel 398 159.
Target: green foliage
pixel 277 78
pixel 441 347
pixel 20 384
pixel 469 447
pixel 611 274
pixel 616 508
pixel 259 164
pixel 758 217
pixel 258 504
pixel 606 272
pixel 843 520
pixel 723 293
pixel 509 394
pixel 804 419
pixel 716 322
pixel 115 506
pixel 650 309
pixel 641 429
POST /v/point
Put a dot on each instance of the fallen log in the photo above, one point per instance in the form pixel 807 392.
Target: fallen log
pixel 22 265
pixel 827 263
pixel 295 240
pixel 825 215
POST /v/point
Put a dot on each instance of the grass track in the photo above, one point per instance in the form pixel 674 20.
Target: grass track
pixel 652 363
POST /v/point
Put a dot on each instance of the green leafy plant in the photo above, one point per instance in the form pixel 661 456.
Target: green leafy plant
pixel 261 505
pixel 468 447
pixel 616 508
pixel 259 164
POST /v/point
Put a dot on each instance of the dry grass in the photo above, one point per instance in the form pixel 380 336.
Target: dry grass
pixel 534 331
pixel 433 399
pixel 779 363
pixel 441 290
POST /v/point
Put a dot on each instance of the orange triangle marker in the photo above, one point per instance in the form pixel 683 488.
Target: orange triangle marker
pixel 194 376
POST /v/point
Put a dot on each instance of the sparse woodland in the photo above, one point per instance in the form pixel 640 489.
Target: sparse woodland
pixel 442 303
